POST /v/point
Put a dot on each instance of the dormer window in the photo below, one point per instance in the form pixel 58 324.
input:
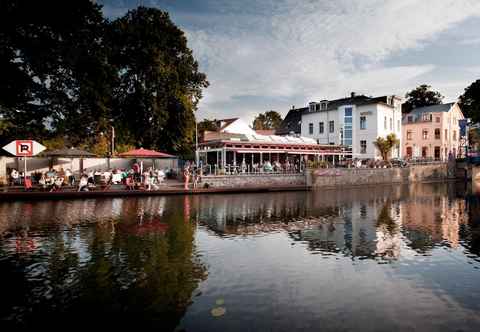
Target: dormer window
pixel 312 107
pixel 324 105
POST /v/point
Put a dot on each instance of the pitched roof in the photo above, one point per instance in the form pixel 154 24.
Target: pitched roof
pixel 433 108
pixel 292 122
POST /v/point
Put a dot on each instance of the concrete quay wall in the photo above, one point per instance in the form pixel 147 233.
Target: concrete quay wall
pixel 368 176
pixel 333 177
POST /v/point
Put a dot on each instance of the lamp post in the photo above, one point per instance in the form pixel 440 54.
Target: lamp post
pixel 196 144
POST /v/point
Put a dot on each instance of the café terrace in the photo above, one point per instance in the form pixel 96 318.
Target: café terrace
pixel 235 143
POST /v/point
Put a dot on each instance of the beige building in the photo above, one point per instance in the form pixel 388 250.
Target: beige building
pixel 432 132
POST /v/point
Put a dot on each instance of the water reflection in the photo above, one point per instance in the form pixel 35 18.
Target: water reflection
pixel 137 258
pixel 165 262
pixel 361 223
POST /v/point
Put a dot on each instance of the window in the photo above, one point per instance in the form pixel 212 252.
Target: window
pixel 424 152
pixel 437 133
pixel 437 119
pixel 363 122
pixel 409 135
pixel 454 135
pixel 331 126
pixel 320 127
pixel 391 124
pixel 317 107
pixel 347 127
pixel 427 117
pixel 410 119
pixel 425 134
pixel 312 107
pixel 446 134
pixel 363 147
pixel 310 128
pixel 324 105
pixel 385 122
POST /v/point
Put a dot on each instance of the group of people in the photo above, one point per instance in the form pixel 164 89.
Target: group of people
pixel 53 179
pixel 191 173
pixel 134 178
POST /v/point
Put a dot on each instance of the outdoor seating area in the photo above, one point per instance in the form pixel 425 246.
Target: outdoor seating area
pixel 58 180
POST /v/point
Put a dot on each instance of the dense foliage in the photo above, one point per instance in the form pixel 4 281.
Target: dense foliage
pixel 470 102
pixel 421 96
pixel 69 75
pixel 267 120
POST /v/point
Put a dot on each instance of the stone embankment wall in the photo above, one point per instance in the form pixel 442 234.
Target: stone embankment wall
pixel 254 180
pixel 367 176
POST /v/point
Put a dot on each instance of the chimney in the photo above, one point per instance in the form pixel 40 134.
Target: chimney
pixel 352 94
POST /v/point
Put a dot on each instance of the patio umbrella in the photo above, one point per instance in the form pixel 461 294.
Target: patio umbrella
pixel 145 153
pixel 70 153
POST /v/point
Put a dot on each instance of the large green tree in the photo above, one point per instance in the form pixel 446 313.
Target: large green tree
pixel 53 68
pixel 421 96
pixel 68 74
pixel 470 101
pixel 159 81
pixel 267 120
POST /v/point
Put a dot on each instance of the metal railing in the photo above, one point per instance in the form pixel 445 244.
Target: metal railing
pixel 250 169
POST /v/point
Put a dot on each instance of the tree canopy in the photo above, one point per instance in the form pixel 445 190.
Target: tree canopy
pixel 70 74
pixel 421 96
pixel 267 120
pixel 469 102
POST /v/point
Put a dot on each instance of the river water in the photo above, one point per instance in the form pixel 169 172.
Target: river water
pixel 384 258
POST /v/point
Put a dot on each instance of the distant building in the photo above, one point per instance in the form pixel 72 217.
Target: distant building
pixel 291 124
pixel 355 122
pixel 433 132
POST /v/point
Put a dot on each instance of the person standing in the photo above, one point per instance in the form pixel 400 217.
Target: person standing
pixel 186 175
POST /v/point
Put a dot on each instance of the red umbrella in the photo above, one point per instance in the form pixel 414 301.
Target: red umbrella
pixel 144 153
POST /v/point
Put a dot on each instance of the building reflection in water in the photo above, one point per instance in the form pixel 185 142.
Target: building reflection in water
pixel 360 223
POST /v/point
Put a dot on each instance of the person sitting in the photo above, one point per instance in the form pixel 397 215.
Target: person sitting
pixel 130 183
pixel 57 184
pixel 116 177
pixel 14 177
pixel 43 181
pixel 160 176
pixel 83 184
pixel 69 177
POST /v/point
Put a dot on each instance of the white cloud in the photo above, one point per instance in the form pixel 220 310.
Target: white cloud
pixel 289 52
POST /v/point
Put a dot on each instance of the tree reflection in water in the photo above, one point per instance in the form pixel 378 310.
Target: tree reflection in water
pixel 120 269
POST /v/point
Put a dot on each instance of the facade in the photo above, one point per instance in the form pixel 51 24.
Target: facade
pixel 235 143
pixel 433 132
pixel 354 122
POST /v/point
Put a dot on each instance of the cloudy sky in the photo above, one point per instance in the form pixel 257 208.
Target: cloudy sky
pixel 272 54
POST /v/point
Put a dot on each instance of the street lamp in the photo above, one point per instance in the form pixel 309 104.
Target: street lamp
pixel 196 143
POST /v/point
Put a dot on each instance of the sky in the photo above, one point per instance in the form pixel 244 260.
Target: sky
pixel 275 54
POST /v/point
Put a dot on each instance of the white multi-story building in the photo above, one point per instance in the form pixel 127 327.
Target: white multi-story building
pixel 355 122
